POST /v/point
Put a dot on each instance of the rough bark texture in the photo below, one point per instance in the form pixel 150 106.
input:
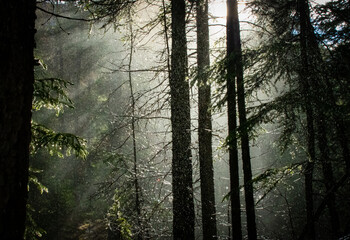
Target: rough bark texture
pixel 183 208
pixel 204 124
pixel 232 124
pixel 16 89
pixel 238 65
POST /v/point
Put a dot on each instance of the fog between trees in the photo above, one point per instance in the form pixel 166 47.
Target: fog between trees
pixel 113 178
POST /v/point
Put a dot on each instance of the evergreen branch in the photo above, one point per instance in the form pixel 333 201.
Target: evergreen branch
pixel 65 17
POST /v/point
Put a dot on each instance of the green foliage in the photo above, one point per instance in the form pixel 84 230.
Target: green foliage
pixel 32 231
pixel 50 94
pixel 35 181
pixel 57 143
pixel 116 222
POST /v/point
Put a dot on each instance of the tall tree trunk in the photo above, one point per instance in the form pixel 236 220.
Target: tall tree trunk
pixel 232 123
pixel 183 207
pixel 327 173
pixel 305 78
pixel 247 170
pixel 321 90
pixel 204 124
pixel 17 20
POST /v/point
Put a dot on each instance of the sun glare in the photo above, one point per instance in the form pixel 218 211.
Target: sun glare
pixel 218 11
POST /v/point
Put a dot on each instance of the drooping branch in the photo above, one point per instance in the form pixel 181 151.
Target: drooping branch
pixel 65 17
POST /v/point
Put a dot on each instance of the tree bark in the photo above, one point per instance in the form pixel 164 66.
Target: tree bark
pixel 232 124
pixel 183 207
pixel 17 30
pixel 247 170
pixel 204 124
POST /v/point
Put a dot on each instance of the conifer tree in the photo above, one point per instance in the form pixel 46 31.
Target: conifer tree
pixel 234 55
pixel 183 206
pixel 16 91
pixel 204 124
pixel 292 35
pixel 232 123
pixel 243 129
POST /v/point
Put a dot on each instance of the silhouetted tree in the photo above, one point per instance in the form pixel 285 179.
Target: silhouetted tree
pixel 306 84
pixel 234 43
pixel 289 28
pixel 183 206
pixel 204 124
pixel 231 36
pixel 16 90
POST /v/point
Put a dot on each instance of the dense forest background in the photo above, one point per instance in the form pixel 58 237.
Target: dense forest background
pixel 189 120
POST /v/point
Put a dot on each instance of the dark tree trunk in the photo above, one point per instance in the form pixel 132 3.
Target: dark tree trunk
pixel 16 90
pixel 305 79
pixel 238 65
pixel 321 91
pixel 327 173
pixel 232 123
pixel 204 124
pixel 183 207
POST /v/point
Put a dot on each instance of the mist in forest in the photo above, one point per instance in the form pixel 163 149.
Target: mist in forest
pixel 117 79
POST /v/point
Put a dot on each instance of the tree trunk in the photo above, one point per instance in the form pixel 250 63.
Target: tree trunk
pixel 305 80
pixel 327 174
pixel 320 90
pixel 204 124
pixel 232 124
pixel 238 65
pixel 17 20
pixel 183 207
